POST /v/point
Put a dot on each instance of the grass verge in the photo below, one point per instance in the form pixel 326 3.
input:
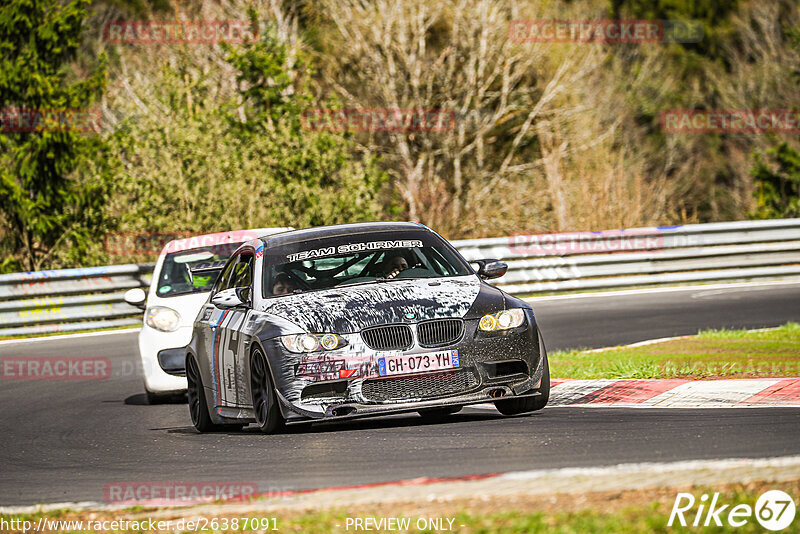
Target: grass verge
pixel 709 354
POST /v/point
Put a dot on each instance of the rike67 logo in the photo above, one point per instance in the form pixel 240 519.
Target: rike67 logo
pixel 774 510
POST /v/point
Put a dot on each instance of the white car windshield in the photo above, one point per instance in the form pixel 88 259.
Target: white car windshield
pixel 176 277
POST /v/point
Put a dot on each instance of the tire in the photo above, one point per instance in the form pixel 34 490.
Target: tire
pixel 529 404
pixel 265 404
pixel 198 408
pixel 437 414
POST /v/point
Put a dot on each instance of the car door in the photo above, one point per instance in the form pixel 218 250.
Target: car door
pixel 228 342
pixel 222 337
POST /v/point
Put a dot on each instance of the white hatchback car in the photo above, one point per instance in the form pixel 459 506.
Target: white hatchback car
pixel 175 297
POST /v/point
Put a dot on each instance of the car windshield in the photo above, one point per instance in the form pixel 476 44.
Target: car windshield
pixel 176 278
pixel 365 259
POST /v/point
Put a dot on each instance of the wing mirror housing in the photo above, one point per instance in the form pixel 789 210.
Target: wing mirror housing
pixel 136 297
pixel 235 297
pixel 490 268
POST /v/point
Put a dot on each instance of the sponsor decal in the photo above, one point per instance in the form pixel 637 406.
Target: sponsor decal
pixel 320 368
pixel 352 247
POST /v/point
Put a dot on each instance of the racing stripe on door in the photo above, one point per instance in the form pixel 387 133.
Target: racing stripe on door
pixel 227 349
pixel 213 360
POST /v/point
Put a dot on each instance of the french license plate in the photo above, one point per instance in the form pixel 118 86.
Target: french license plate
pixel 418 363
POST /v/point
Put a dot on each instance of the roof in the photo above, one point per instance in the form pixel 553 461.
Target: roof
pixel 338 230
pixel 220 238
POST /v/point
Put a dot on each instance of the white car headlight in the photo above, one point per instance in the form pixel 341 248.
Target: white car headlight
pixel 312 342
pixel 162 318
pixel 502 320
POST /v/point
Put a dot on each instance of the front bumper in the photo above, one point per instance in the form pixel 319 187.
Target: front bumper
pixel 359 411
pixel 151 343
pixel 503 365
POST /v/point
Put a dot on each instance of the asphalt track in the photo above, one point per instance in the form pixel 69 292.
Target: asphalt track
pixel 63 441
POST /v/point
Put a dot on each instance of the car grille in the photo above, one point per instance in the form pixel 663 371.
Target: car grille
pixel 440 332
pixel 392 337
pixel 426 386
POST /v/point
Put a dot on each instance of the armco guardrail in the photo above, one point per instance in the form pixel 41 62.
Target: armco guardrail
pixel 744 250
pixel 70 299
pixel 77 299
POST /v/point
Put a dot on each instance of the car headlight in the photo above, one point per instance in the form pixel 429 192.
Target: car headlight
pixel 162 318
pixel 312 342
pixel 502 320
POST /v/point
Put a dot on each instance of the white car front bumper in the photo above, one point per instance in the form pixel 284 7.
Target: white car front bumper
pixel 151 342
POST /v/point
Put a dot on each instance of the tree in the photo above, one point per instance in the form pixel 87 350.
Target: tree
pixel 777 176
pixel 777 171
pixel 194 156
pixel 44 205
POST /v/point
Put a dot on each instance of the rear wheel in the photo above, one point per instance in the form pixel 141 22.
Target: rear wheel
pixel 265 405
pixel 529 404
pixel 198 408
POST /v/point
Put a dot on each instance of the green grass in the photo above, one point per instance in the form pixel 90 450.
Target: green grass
pixel 711 353
pixel 630 512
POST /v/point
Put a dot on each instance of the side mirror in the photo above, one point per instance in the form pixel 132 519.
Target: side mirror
pixel 235 297
pixel 488 269
pixel 136 297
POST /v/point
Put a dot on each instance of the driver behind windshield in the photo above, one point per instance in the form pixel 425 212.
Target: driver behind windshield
pixel 283 285
pixel 394 263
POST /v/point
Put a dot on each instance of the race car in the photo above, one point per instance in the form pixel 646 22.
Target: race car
pixel 174 298
pixel 359 320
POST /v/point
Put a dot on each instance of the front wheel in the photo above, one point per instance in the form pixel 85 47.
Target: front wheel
pixel 265 405
pixel 198 408
pixel 529 404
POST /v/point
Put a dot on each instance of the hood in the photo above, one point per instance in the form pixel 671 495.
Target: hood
pixel 350 309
